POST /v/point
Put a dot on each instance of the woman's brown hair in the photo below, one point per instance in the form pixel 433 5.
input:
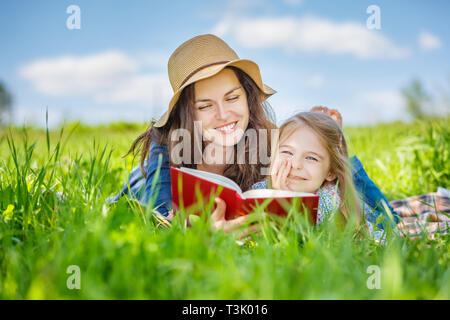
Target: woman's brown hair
pixel 182 116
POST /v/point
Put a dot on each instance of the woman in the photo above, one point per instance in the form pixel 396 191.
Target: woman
pixel 226 96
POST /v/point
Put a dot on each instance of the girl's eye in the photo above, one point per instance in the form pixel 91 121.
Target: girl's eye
pixel 232 98
pixel 311 158
pixel 287 152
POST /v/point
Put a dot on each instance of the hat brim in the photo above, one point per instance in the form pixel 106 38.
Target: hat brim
pixel 248 66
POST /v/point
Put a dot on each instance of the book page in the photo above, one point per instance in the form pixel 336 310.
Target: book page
pixel 213 177
pixel 272 193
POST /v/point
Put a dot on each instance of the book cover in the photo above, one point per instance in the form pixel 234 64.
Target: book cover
pixel 192 189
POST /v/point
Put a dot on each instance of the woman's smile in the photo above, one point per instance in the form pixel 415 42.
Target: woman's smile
pixel 227 128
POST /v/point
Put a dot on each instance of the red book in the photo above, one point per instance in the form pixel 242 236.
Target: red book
pixel 192 189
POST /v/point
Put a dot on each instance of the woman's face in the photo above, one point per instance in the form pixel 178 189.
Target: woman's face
pixel 221 106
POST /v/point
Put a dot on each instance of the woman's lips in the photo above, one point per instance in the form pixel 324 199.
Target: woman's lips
pixel 227 128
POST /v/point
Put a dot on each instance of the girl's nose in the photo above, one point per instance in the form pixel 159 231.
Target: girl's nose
pixel 297 164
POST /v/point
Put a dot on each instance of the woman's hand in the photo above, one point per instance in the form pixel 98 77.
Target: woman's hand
pixel 231 226
pixel 333 113
pixel 279 173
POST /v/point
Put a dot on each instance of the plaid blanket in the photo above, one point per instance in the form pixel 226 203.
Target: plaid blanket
pixel 427 213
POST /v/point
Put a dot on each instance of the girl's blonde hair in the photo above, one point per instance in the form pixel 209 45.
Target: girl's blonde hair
pixel 333 140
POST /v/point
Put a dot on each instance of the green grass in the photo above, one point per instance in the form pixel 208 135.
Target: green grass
pixel 123 253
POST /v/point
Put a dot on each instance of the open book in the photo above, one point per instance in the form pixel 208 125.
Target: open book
pixel 193 188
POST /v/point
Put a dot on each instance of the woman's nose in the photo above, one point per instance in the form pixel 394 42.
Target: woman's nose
pixel 221 112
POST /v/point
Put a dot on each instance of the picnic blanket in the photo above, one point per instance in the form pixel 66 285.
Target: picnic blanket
pixel 427 213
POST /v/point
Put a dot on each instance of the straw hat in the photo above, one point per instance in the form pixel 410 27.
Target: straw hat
pixel 200 58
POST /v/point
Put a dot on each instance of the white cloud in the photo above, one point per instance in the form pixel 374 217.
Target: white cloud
pixel 70 75
pixel 141 89
pixel 153 59
pixel 361 109
pixel 234 6
pixel 33 116
pixel 429 41
pixel 30 115
pixel 294 2
pixel 310 34
pixel 108 77
pixel 385 98
pixel 315 81
pixel 376 106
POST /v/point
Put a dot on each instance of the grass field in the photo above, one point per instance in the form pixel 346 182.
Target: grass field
pixel 122 253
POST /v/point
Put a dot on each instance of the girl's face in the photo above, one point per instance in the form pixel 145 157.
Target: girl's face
pixel 309 159
pixel 221 106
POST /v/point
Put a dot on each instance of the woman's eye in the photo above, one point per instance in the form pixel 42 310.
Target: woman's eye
pixel 311 158
pixel 204 107
pixel 232 98
pixel 287 152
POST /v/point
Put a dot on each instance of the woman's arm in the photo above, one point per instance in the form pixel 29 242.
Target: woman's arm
pixel 157 189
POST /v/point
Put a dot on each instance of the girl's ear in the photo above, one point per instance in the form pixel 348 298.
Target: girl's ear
pixel 331 176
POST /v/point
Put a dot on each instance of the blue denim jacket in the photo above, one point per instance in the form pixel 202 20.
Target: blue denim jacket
pixel 142 190
pixel 155 188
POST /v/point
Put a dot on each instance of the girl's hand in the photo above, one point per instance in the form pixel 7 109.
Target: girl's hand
pixel 280 172
pixel 229 226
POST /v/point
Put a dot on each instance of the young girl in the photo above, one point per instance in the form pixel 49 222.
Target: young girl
pixel 311 156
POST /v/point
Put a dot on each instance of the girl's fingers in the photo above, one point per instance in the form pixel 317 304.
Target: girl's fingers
pixel 276 167
pixel 278 175
pixel 274 172
pixel 284 175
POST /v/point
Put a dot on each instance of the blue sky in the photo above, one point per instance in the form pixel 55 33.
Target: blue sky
pixel 311 52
